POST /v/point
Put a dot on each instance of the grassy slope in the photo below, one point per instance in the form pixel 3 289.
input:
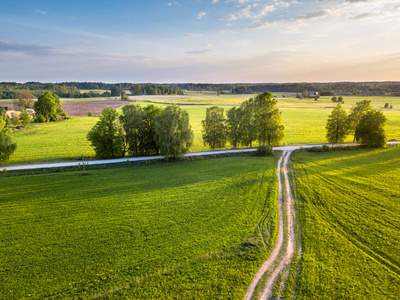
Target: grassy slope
pixel 350 224
pixel 164 230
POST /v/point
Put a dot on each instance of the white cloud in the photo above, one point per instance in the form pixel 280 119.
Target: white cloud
pixel 312 15
pixel 202 51
pixel 201 15
pixel 192 35
pixel 38 11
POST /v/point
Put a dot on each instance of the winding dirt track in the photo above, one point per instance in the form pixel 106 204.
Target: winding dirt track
pixel 278 258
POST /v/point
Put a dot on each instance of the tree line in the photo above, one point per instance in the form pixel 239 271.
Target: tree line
pixel 10 90
pixel 257 119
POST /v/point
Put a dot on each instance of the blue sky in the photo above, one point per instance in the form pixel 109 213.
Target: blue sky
pixel 199 40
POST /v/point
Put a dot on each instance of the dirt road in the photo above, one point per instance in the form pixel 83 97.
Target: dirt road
pixel 282 254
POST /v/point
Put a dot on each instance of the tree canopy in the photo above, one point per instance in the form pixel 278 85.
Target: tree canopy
pixel 24 99
pixel 106 136
pixel 268 119
pixel 356 113
pixel 234 125
pixel 337 127
pixel 214 129
pixel 173 132
pixel 371 131
pixel 7 147
pixel 48 108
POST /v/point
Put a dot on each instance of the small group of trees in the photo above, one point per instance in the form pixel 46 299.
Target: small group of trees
pixel 146 131
pixel 48 108
pixel 337 99
pixel 367 125
pixel 387 105
pixel 256 119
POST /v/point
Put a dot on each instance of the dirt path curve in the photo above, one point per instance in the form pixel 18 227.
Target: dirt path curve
pixel 276 263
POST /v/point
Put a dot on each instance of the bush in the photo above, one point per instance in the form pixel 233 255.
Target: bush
pixel 90 114
pixel 40 118
pixel 326 148
pixel 386 105
pixel 265 150
pixel 15 120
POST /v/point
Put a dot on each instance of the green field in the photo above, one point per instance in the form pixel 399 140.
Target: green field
pixel 288 101
pixel 66 140
pixel 349 205
pixel 163 231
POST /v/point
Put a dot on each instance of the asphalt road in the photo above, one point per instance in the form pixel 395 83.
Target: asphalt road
pixel 131 159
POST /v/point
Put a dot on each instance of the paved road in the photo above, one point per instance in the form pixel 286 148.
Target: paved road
pixel 124 159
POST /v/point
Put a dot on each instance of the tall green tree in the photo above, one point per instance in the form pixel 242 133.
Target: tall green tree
pixel 234 125
pixel 106 135
pixel 136 89
pixel 249 129
pixel 337 127
pixel 48 108
pixel 214 129
pixel 174 135
pixel 356 113
pixel 24 99
pixel 268 119
pixel 132 120
pixel 371 131
pixel 116 91
pixel 7 147
pixel 149 144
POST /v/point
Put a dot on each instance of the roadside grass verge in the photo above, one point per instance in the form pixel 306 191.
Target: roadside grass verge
pixel 350 216
pixel 185 229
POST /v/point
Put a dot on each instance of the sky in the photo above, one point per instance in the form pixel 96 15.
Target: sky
pixel 200 41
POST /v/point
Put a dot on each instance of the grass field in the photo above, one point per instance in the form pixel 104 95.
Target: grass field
pixel 160 231
pixel 66 140
pixel 350 215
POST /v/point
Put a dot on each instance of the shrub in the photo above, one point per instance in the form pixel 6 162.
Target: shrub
pixel 90 114
pixel 40 118
pixel 15 120
pixel 265 150
pixel 315 149
pixel 386 105
pixel 326 148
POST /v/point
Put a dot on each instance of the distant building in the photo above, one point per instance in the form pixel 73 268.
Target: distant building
pixel 313 93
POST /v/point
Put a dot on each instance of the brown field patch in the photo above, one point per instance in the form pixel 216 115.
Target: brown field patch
pixel 81 109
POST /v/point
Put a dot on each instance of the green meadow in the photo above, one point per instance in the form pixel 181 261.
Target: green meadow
pixel 165 231
pixel 66 140
pixel 349 206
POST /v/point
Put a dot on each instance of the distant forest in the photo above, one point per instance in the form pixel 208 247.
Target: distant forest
pixel 73 89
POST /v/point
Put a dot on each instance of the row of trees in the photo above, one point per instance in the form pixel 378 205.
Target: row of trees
pixel 256 119
pixel 366 125
pixel 146 131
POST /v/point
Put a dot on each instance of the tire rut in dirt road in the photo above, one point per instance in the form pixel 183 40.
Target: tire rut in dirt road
pixel 278 258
